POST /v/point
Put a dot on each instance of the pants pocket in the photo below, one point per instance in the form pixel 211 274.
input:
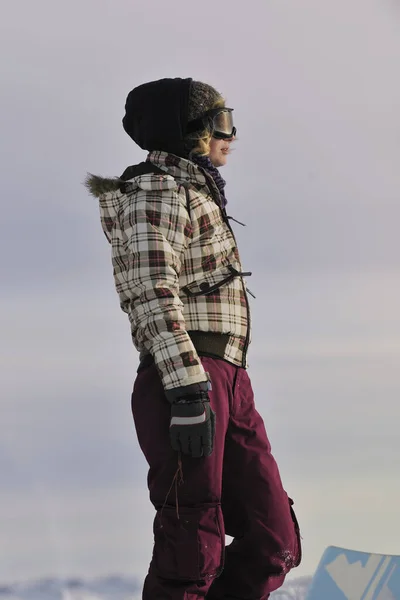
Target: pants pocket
pixel 190 547
pixel 298 555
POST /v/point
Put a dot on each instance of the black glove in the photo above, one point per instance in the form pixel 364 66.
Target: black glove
pixel 192 425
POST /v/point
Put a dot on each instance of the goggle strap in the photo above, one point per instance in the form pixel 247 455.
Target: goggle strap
pixel 195 125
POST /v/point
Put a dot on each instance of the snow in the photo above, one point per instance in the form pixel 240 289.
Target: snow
pixel 111 588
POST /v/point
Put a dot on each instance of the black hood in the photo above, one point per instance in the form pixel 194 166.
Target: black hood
pixel 156 115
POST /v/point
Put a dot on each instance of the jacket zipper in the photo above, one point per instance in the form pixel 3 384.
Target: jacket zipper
pixel 247 339
pixel 226 219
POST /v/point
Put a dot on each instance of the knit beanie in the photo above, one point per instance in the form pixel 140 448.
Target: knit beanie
pixel 202 98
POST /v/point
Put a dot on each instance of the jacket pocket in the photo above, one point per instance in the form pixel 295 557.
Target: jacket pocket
pixel 298 554
pixel 190 547
pixel 212 282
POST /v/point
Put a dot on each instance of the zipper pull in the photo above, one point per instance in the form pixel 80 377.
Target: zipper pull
pixel 236 221
pixel 251 293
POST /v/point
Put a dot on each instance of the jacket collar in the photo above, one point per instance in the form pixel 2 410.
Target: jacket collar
pixel 179 168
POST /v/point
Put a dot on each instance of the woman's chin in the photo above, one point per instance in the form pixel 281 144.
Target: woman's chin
pixel 221 160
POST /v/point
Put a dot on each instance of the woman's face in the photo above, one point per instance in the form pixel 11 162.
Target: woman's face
pixel 219 150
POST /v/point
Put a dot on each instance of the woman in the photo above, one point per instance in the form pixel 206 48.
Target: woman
pixel 179 278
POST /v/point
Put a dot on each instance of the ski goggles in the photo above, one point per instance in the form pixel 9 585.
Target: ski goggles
pixel 219 121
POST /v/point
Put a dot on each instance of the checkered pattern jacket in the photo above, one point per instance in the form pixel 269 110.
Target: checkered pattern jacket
pixel 176 265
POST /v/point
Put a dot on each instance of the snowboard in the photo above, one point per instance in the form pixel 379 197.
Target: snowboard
pixel 350 575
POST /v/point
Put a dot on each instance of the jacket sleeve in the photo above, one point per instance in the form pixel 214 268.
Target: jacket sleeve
pixel 155 230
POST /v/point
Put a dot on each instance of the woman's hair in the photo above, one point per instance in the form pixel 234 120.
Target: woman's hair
pixel 199 141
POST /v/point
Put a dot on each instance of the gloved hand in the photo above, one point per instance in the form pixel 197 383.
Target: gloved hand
pixel 192 425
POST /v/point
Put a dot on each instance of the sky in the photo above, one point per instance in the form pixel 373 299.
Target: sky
pixel 315 177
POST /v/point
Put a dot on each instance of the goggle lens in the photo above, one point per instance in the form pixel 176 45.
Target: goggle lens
pixel 218 120
pixel 223 125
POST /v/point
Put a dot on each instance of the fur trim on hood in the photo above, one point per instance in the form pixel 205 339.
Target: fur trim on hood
pixel 97 186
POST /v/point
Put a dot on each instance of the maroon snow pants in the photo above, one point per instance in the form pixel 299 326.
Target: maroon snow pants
pixel 237 490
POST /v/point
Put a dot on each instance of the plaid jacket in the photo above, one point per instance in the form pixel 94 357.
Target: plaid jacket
pixel 176 265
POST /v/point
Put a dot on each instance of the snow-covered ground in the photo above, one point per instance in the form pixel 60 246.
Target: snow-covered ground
pixel 110 588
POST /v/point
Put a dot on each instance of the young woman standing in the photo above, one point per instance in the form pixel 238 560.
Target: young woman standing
pixel 179 278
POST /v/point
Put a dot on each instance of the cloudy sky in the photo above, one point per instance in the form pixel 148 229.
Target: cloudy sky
pixel 315 175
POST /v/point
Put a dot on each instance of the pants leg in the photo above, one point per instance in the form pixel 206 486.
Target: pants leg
pixel 257 510
pixel 237 488
pixel 189 536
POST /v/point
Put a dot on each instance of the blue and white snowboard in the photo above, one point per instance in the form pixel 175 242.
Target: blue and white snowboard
pixel 349 575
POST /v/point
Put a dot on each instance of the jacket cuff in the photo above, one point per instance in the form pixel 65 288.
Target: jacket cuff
pixel 193 392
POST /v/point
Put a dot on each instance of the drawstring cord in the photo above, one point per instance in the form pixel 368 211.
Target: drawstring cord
pixel 236 221
pixel 177 480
